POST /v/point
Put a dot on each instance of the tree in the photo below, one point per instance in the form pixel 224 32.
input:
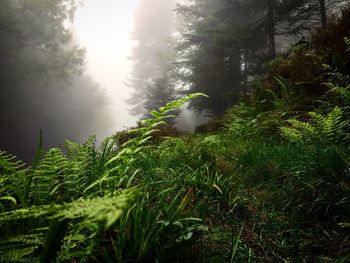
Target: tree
pixel 221 46
pixel 35 40
pixel 154 25
pixel 226 44
pixel 303 15
pixel 323 13
pixel 41 84
pixel 160 92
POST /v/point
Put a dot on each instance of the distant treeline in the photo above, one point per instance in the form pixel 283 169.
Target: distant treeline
pixel 221 48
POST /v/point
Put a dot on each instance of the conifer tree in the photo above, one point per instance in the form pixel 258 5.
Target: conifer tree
pixel 222 44
pixel 160 92
pixel 152 33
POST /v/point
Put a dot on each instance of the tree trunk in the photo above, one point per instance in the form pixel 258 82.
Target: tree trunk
pixel 323 13
pixel 235 74
pixel 271 28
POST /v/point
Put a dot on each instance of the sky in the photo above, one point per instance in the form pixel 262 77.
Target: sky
pixel 104 28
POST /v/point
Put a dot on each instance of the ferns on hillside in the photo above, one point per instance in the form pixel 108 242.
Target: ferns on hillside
pixel 118 169
pixel 63 206
pixel 322 128
pixel 105 210
pixel 331 122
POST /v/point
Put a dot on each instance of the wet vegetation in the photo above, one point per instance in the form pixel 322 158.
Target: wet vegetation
pixel 266 180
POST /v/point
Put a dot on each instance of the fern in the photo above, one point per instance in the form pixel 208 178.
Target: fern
pixel 13 178
pixel 331 127
pixel 83 159
pixel 106 210
pixel 117 169
pixel 9 163
pixel 80 242
pixel 21 247
pixel 49 178
pixel 69 201
pixel 298 131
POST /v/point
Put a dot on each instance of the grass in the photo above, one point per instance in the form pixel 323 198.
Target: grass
pixel 219 197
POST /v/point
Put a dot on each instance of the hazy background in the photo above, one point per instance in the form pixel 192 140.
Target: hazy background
pixel 49 84
pixel 126 58
pixel 73 87
pixel 104 28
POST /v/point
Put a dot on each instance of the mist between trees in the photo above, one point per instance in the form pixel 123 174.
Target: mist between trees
pixel 216 47
pixel 43 84
pixel 220 48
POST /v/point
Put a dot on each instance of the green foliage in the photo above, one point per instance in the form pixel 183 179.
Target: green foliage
pixel 13 181
pixel 329 43
pixel 48 177
pixel 68 205
pixel 235 195
pixel 118 167
pixel 105 210
pixel 245 120
pixel 272 186
pixel 347 42
pixel 302 71
pixel 320 128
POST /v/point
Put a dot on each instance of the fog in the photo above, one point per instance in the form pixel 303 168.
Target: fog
pixel 73 69
pixel 104 28
pixel 63 77
pixel 71 78
pixel 110 31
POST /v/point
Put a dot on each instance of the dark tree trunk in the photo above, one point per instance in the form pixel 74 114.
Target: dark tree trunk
pixel 235 73
pixel 323 13
pixel 271 28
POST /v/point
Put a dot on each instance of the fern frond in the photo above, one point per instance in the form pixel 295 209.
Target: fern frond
pixel 13 180
pixel 117 167
pixel 343 93
pixel 101 209
pixel 49 178
pixel 320 127
pixel 79 242
pixel 10 164
pixel 81 158
pixel 76 215
pixel 21 248
pixel 347 42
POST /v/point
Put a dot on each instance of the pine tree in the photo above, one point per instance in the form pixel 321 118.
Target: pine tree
pixel 159 93
pixel 153 29
pixel 222 45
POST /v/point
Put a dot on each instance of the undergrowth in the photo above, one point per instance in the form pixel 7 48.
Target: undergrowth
pixel 272 184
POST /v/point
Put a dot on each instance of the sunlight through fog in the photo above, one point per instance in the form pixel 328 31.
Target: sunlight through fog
pixel 104 28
